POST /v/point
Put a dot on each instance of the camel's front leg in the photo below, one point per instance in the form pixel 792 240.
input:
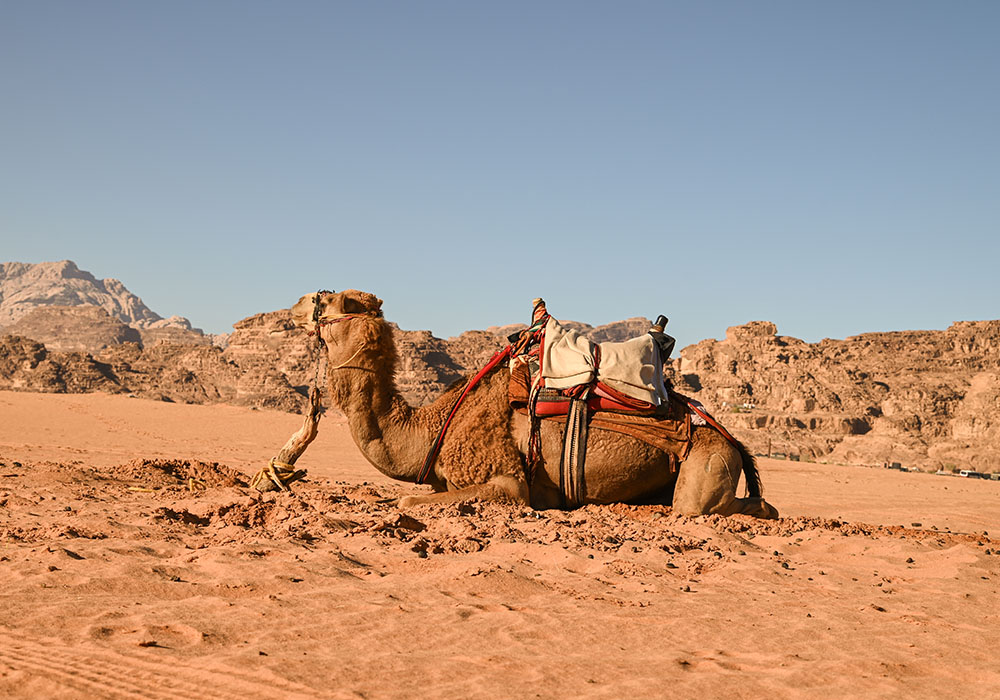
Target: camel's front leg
pixel 499 488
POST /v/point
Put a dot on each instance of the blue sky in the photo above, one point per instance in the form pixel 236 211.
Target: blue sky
pixel 832 167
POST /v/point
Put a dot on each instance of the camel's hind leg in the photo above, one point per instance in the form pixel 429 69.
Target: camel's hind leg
pixel 503 487
pixel 707 484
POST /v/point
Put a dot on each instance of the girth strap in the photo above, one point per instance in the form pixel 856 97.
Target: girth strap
pixel 711 421
pixel 572 483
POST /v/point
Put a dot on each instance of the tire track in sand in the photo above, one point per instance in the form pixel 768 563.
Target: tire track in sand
pixel 108 674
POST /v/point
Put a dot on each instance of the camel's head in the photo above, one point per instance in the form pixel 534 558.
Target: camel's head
pixel 328 307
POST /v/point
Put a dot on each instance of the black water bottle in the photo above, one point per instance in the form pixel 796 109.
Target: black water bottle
pixel 662 340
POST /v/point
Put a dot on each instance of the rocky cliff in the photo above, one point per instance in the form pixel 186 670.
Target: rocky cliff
pixel 923 398
pixel 165 372
pixel 73 328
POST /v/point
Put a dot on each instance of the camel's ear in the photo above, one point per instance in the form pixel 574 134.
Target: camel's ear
pixel 356 302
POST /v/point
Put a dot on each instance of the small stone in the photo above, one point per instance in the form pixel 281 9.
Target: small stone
pixel 909 560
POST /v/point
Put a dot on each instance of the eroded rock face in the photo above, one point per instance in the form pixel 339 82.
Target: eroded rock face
pixel 26 365
pixel 925 398
pixel 73 328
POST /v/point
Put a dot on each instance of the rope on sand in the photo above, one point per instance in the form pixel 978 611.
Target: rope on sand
pixel 281 474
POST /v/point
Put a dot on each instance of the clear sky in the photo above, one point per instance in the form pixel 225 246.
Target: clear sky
pixel 833 167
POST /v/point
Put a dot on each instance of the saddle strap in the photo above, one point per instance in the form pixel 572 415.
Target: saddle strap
pixel 572 484
pixel 432 454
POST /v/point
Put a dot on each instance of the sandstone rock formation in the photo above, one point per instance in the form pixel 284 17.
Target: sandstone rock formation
pixel 922 398
pixel 166 372
pixel 25 365
pixel 73 328
pixel 25 287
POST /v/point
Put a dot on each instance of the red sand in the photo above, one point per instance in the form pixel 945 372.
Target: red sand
pixel 119 581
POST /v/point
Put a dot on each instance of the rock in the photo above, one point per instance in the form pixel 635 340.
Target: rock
pixel 922 398
pixel 73 328
pixel 26 365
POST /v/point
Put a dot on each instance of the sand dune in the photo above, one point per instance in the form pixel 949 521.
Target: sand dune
pixel 119 580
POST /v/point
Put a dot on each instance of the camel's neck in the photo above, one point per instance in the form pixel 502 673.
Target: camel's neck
pixel 391 434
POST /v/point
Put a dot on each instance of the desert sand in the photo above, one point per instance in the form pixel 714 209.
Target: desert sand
pixel 135 563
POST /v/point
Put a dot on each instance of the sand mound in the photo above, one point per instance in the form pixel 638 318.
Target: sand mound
pixel 163 473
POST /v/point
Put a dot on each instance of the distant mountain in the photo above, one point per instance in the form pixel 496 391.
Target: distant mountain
pixel 25 287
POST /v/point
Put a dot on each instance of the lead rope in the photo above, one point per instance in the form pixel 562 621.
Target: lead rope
pixel 279 474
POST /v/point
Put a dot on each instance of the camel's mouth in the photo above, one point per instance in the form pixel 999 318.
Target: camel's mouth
pixel 303 312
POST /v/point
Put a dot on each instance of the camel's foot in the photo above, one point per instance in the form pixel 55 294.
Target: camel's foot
pixel 499 488
pixel 757 507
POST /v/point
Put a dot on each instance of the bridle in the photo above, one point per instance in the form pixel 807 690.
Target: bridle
pixel 328 320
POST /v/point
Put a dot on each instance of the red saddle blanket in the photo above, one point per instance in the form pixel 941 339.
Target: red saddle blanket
pixel 664 426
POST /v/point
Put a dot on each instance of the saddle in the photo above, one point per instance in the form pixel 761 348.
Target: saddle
pixel 662 426
pixel 558 375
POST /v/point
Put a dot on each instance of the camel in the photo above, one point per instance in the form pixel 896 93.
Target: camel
pixel 483 454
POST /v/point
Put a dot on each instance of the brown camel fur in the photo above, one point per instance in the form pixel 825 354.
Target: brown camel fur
pixel 483 453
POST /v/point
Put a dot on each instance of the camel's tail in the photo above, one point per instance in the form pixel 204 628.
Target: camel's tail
pixel 750 472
